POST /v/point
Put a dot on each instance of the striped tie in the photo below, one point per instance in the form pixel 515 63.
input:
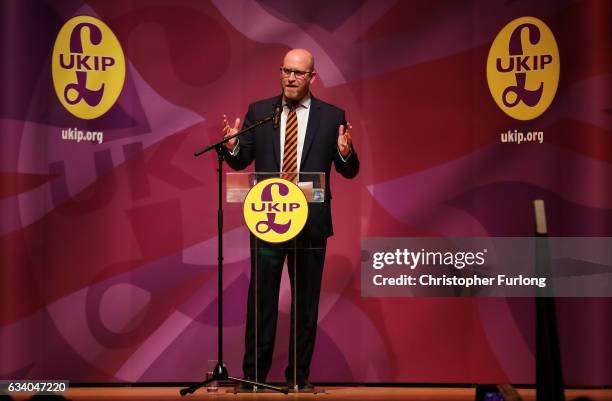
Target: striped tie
pixel 290 152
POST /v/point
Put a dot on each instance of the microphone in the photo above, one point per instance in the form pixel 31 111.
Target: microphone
pixel 278 109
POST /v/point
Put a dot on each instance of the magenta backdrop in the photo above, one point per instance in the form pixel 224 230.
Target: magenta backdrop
pixel 107 251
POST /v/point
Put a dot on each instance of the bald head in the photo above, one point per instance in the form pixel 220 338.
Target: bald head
pixel 300 56
pixel 297 73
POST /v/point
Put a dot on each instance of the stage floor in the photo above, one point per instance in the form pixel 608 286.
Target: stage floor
pixel 359 393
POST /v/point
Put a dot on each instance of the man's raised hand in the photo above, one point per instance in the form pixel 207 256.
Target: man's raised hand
pixel 345 139
pixel 226 130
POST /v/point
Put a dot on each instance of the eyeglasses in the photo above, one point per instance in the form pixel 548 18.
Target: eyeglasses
pixel 297 73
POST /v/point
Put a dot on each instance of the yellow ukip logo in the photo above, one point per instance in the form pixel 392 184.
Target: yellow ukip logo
pixel 88 67
pixel 275 210
pixel 523 68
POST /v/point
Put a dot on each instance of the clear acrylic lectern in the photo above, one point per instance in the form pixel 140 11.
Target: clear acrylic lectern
pixel 238 186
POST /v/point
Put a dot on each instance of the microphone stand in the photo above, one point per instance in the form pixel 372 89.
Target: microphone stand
pixel 220 371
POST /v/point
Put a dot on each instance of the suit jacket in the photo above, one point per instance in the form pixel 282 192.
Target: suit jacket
pixel 263 146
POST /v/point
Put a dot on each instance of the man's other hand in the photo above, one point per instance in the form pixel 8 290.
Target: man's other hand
pixel 345 140
pixel 227 130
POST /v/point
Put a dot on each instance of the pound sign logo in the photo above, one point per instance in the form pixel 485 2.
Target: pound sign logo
pixel 523 68
pixel 275 210
pixel 88 67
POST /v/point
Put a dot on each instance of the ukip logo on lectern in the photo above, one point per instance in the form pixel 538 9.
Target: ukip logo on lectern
pixel 275 210
pixel 523 68
pixel 88 67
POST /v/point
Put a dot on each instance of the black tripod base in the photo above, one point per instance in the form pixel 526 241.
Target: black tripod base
pixel 220 374
pixel 312 390
pixel 286 390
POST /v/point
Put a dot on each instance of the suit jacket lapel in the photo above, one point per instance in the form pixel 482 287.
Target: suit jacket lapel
pixel 276 140
pixel 314 117
pixel 276 145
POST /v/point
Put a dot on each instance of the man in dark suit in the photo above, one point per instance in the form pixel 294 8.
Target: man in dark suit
pixel 312 135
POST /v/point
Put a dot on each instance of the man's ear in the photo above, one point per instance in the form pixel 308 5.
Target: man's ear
pixel 313 78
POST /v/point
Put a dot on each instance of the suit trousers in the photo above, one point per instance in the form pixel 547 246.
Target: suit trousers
pixel 305 258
